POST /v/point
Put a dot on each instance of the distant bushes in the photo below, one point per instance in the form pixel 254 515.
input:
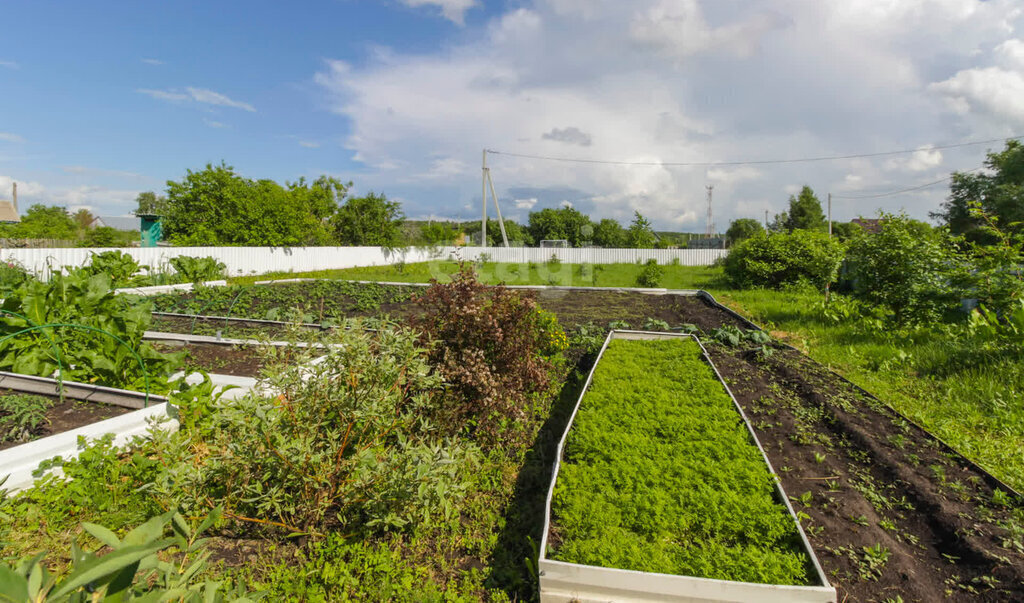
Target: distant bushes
pixel 784 259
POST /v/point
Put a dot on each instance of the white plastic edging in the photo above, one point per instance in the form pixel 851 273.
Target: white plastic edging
pixel 561 581
pixel 157 289
pixel 20 461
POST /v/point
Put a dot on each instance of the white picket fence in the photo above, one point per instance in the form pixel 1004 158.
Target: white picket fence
pixel 260 260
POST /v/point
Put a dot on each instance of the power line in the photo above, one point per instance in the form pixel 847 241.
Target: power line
pixel 752 162
pixel 906 190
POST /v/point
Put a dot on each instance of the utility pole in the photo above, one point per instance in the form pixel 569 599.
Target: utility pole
pixel 766 219
pixel 711 225
pixel 483 197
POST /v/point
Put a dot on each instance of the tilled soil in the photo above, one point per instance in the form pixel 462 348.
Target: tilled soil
pixel 68 415
pixel 242 361
pixel 889 510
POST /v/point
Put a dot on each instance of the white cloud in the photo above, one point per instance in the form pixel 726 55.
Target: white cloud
pixel 990 90
pixel 152 61
pixel 198 95
pixel 215 124
pixel 9 64
pixel 309 144
pixel 98 199
pixel 27 191
pixel 684 81
pixel 525 203
pixel 678 29
pixel 10 137
pixel 1011 53
pixel 453 10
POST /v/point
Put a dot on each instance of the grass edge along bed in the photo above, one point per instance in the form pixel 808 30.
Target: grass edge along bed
pixel 567 581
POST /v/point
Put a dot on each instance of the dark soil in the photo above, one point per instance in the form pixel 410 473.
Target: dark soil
pixel 242 361
pixel 68 415
pixel 865 478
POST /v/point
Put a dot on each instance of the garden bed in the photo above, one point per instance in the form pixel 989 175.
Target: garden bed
pixel 661 476
pixel 36 416
pixel 225 359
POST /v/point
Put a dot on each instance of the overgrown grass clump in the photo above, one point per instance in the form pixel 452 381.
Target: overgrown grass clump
pixel 660 475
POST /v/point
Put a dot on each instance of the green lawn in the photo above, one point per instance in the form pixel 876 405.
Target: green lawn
pixel 978 407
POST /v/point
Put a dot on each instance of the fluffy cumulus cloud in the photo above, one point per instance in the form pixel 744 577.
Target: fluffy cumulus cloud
pixel 672 83
pixel 98 199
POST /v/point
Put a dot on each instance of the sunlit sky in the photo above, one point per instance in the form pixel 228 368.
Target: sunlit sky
pixel 101 100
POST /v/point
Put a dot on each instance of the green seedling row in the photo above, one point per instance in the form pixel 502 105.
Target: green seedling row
pixel 660 474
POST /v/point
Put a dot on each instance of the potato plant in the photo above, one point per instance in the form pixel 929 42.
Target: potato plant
pixel 660 475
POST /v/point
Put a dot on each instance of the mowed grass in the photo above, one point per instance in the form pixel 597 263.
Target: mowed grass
pixel 975 405
pixel 546 273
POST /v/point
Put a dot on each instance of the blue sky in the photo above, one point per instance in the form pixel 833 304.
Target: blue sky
pixel 101 100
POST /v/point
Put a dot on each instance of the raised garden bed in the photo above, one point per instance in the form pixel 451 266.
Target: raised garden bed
pixel 123 413
pixel 662 491
pixel 25 417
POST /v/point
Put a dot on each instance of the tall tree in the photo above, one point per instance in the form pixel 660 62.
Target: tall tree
pixel 609 233
pixel 741 229
pixel 564 223
pixel 42 222
pixel 370 220
pixel 805 212
pixel 640 234
pixel 149 203
pixel 216 206
pixel 83 219
pixel 1000 190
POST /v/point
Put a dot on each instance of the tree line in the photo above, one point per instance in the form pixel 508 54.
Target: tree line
pixel 217 206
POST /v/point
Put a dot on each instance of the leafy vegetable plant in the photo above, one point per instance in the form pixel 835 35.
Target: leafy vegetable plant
pixel 661 476
pixel 21 415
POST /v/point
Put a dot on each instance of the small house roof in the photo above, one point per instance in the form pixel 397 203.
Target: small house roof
pixel 125 223
pixel 7 213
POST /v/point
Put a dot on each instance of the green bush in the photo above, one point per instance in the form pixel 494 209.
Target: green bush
pixel 344 446
pixel 197 270
pixel 909 270
pixel 777 260
pixel 650 275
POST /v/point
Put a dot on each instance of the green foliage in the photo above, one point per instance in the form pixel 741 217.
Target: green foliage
pixel 105 236
pixel 905 269
pixel 12 275
pixel 650 275
pixel 42 222
pixel 564 223
pixel 345 445
pixel 90 354
pixel 640 235
pixel 517 235
pixel 21 416
pixel 609 233
pixel 778 260
pixel 996 279
pixel 216 206
pixel 742 229
pixel 198 270
pixel 805 212
pixel 661 476
pixel 999 190
pixel 131 570
pixel 119 266
pixel 370 220
pixel 149 203
pixel 439 233
pixel 494 349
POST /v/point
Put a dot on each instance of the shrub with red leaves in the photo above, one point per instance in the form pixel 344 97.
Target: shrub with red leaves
pixel 493 346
